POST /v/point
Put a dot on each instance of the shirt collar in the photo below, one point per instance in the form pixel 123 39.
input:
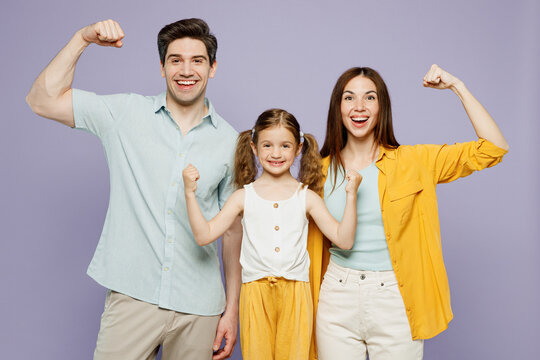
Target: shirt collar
pixel 390 153
pixel 160 102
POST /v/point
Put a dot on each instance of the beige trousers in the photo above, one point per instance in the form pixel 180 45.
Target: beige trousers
pixel 134 330
pixel 362 312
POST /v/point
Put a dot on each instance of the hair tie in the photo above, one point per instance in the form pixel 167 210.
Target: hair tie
pixel 301 137
pixel 252 133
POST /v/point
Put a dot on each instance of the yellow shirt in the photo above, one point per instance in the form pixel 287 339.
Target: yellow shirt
pixel 407 180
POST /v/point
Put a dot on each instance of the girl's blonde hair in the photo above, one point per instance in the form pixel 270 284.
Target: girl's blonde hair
pixel 245 164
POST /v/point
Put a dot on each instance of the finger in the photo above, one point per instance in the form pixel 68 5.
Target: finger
pixel 218 339
pixel 113 30
pixel 106 35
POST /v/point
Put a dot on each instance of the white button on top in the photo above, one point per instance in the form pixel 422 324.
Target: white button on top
pixel 169 212
pixel 166 268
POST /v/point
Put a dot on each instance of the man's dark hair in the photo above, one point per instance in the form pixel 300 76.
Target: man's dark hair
pixel 191 28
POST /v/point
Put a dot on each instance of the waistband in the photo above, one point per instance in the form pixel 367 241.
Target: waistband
pixel 344 275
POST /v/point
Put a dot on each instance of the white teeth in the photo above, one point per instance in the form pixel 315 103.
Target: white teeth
pixel 185 82
pixel 359 118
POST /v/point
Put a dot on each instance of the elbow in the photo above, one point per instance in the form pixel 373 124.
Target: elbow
pixel 201 241
pixel 35 105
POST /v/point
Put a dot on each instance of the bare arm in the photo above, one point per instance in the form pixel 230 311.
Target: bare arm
pixel 206 232
pixel 341 234
pixel 483 123
pixel 228 324
pixel 50 95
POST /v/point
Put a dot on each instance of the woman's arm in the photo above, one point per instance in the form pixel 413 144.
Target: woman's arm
pixel 206 232
pixel 483 123
pixel 341 234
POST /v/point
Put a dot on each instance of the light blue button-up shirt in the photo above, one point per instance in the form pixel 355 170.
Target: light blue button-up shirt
pixel 146 249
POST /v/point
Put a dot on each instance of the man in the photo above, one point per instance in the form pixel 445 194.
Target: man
pixel 164 289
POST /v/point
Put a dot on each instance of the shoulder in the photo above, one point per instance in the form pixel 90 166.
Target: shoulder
pixel 312 198
pixel 237 198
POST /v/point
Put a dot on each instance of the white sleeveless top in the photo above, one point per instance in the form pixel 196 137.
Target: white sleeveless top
pixel 275 237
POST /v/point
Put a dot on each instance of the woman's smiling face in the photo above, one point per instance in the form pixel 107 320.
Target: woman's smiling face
pixel 360 107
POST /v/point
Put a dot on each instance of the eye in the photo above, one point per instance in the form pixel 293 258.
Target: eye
pixel 347 98
pixel 286 146
pixel 371 97
pixel 198 61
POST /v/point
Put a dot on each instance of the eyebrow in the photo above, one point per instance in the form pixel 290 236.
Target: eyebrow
pixel 194 57
pixel 352 92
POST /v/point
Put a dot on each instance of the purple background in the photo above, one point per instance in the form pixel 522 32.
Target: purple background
pixel 54 180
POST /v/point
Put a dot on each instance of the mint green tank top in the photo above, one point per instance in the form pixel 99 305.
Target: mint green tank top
pixel 370 250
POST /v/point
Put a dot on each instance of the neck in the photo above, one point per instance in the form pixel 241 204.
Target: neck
pixel 359 153
pixel 276 179
pixel 187 116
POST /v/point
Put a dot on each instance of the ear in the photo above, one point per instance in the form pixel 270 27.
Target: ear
pixel 162 69
pixel 213 69
pixel 299 150
pixel 253 148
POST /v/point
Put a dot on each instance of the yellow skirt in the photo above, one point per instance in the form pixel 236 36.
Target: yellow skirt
pixel 276 319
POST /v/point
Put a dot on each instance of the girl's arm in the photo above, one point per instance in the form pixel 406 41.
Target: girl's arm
pixel 206 232
pixel 483 123
pixel 341 234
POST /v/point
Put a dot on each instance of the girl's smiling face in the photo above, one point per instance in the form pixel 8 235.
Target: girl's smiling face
pixel 360 107
pixel 276 150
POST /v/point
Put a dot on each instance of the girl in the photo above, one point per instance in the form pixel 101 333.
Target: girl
pixel 276 311
pixel 390 290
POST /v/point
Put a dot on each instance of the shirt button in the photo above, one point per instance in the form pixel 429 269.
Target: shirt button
pixel 169 240
pixel 169 211
pixel 180 155
pixel 277 249
pixel 362 277
pixel 276 205
pixel 400 284
pixel 166 268
pixel 276 228
pixel 174 183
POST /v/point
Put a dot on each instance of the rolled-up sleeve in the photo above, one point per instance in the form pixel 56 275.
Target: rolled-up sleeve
pixel 451 162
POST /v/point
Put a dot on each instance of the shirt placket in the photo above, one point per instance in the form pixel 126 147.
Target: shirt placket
pixel 277 243
pixel 175 181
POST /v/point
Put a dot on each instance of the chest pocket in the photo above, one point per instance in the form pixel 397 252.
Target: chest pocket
pixel 209 181
pixel 404 198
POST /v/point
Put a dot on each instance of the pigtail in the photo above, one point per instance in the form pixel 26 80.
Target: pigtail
pixel 245 166
pixel 310 165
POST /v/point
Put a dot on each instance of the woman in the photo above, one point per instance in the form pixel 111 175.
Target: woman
pixel 390 291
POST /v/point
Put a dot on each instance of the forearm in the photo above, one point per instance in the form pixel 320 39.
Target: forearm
pixel 347 227
pixel 197 221
pixel 231 244
pixel 483 123
pixel 49 95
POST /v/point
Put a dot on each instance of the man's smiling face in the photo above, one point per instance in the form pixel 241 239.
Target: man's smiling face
pixel 186 71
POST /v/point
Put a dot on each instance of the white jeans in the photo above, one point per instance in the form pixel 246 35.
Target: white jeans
pixel 362 312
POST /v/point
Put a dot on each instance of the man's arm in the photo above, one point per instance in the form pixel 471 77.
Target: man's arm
pixel 50 95
pixel 228 324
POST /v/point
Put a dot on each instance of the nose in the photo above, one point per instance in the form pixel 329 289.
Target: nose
pixel 276 152
pixel 186 69
pixel 359 104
